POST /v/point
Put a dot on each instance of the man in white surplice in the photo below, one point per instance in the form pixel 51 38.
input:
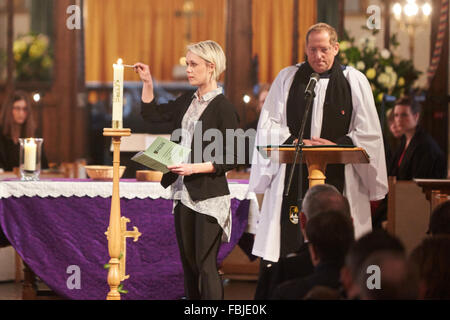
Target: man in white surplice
pixel 363 182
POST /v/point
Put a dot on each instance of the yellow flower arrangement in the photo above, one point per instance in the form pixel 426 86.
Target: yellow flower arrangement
pixel 32 57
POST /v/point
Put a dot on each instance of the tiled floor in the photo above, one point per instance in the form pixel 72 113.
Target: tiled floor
pixel 233 290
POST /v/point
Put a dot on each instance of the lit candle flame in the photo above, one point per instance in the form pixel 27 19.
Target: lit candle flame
pixel 119 61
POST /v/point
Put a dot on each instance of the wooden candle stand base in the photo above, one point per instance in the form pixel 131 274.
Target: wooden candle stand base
pixel 114 232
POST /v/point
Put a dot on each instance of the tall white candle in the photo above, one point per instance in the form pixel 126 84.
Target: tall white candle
pixel 30 155
pixel 117 95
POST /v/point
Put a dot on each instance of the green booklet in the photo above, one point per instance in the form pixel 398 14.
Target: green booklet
pixel 162 153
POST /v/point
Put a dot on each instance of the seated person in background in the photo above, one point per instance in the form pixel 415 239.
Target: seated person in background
pixel 329 235
pixel 262 94
pixel 396 278
pixel 377 240
pixel 322 293
pixel 320 198
pixel 432 261
pixel 418 155
pixel 16 121
pixel 440 219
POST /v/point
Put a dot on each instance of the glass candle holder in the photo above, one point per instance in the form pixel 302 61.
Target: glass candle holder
pixel 30 158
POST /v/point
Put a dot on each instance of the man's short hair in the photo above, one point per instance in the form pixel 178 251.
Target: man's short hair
pixel 431 259
pixel 318 27
pixel 324 197
pixel 377 240
pixel 331 233
pixel 440 219
pixel 398 280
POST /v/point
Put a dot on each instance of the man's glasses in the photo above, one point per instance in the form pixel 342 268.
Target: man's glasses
pixel 324 50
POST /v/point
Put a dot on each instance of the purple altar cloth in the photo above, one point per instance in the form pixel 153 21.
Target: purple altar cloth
pixel 51 234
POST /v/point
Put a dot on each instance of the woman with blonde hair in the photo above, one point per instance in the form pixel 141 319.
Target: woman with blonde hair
pixel 199 187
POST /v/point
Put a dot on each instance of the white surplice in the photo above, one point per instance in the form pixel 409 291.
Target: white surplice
pixel 363 182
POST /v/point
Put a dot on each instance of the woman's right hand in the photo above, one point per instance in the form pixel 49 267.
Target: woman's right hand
pixel 144 73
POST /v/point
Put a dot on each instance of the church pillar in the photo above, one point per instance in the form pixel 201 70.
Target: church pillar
pixel 435 111
pixel 238 76
pixel 63 115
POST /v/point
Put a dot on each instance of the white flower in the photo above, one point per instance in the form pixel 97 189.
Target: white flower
pixel 344 45
pixel 362 42
pixel 360 65
pixel 392 80
pixel 388 80
pixel 385 53
pixel 383 79
pixel 388 69
pixel 371 42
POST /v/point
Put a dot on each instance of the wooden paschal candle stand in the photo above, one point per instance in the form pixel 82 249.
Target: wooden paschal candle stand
pixel 114 230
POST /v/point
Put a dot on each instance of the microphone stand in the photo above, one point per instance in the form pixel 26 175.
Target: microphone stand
pixel 299 153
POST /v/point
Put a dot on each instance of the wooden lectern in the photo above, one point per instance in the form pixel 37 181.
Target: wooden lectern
pixel 436 190
pixel 317 158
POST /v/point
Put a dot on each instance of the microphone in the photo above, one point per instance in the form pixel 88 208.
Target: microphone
pixel 309 97
pixel 312 84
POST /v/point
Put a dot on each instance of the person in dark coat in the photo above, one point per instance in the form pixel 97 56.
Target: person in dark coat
pixel 328 250
pixel 16 121
pixel 418 155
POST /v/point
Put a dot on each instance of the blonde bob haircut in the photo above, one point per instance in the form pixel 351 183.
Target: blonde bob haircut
pixel 211 52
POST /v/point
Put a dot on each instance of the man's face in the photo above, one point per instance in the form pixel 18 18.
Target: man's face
pixel 320 51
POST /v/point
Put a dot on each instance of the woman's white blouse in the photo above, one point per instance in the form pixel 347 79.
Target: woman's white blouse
pixel 217 207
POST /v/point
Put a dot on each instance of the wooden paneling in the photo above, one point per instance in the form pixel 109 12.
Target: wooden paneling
pixel 63 121
pixel 238 80
pixel 435 111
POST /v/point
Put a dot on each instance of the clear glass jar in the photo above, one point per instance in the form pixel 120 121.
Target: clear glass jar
pixel 30 158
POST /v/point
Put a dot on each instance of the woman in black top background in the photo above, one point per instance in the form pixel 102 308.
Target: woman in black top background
pixel 418 155
pixel 16 121
pixel 199 186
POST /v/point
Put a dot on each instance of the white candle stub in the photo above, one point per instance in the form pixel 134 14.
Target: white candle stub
pixel 118 94
pixel 30 155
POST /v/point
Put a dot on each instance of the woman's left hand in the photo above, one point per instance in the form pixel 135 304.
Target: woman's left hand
pixel 182 169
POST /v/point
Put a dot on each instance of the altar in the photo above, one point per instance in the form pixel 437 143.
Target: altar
pixel 58 226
